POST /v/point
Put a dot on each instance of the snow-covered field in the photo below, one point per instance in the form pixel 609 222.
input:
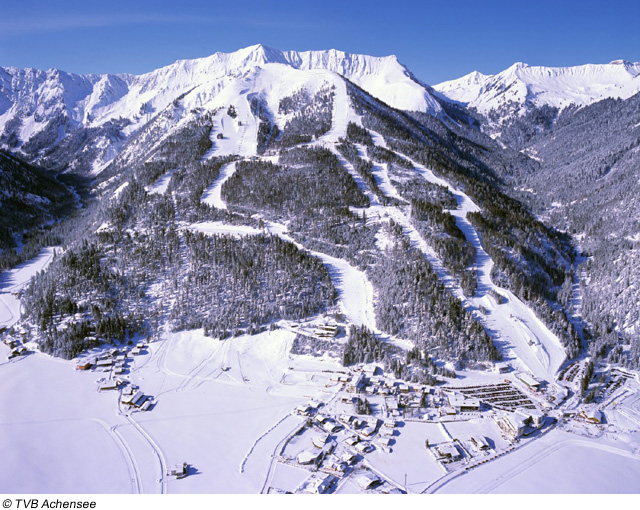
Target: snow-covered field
pixel 410 457
pixel 56 431
pixel 557 463
pixel 223 407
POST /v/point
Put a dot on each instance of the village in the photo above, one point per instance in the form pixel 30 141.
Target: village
pixel 362 430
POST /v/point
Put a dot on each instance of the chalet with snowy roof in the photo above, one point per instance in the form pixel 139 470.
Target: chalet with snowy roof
pixel 448 451
pixel 368 481
pixel 322 485
pixel 178 470
pixel 501 368
pixel 348 457
pixel 331 426
pixel 84 365
pixel 309 457
pixel 328 330
pixel 345 418
pixel 368 431
pixel 370 370
pixel 336 467
pixel 591 415
pixel 328 448
pixel 391 404
pixel 135 400
pixel 20 350
pixel 364 447
pixel 351 440
pixel 10 342
pixel 146 405
pixel 112 384
pixel 321 418
pixel 303 410
pixel 384 443
pixel 480 442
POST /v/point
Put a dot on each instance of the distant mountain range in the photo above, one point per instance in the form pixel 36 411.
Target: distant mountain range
pixel 521 87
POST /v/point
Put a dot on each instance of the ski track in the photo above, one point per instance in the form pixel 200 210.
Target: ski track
pixel 543 454
pixel 515 328
pixel 213 195
pixel 162 480
pixel 134 470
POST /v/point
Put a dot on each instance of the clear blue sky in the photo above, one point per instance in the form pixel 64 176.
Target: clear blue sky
pixel 436 40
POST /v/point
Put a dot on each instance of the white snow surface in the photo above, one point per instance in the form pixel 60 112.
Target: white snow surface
pixel 14 280
pixel 213 194
pixel 160 186
pixel 539 85
pixel 559 463
pixel 221 406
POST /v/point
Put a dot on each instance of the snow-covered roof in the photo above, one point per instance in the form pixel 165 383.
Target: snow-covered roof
pixel 528 380
pixel 366 481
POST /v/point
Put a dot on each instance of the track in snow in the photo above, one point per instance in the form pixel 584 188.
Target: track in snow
pixel 213 195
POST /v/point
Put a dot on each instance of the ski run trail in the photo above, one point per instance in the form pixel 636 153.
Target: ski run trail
pixel 14 280
pixel 523 338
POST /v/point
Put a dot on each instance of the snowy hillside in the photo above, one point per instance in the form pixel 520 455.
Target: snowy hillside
pixel 522 86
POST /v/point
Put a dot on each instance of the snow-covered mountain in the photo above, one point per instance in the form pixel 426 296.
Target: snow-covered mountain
pixel 521 87
pixel 44 107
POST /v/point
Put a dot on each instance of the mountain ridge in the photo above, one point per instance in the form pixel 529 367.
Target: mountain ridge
pixel 522 87
pixel 57 102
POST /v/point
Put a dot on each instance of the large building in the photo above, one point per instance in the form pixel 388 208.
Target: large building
pixel 462 404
